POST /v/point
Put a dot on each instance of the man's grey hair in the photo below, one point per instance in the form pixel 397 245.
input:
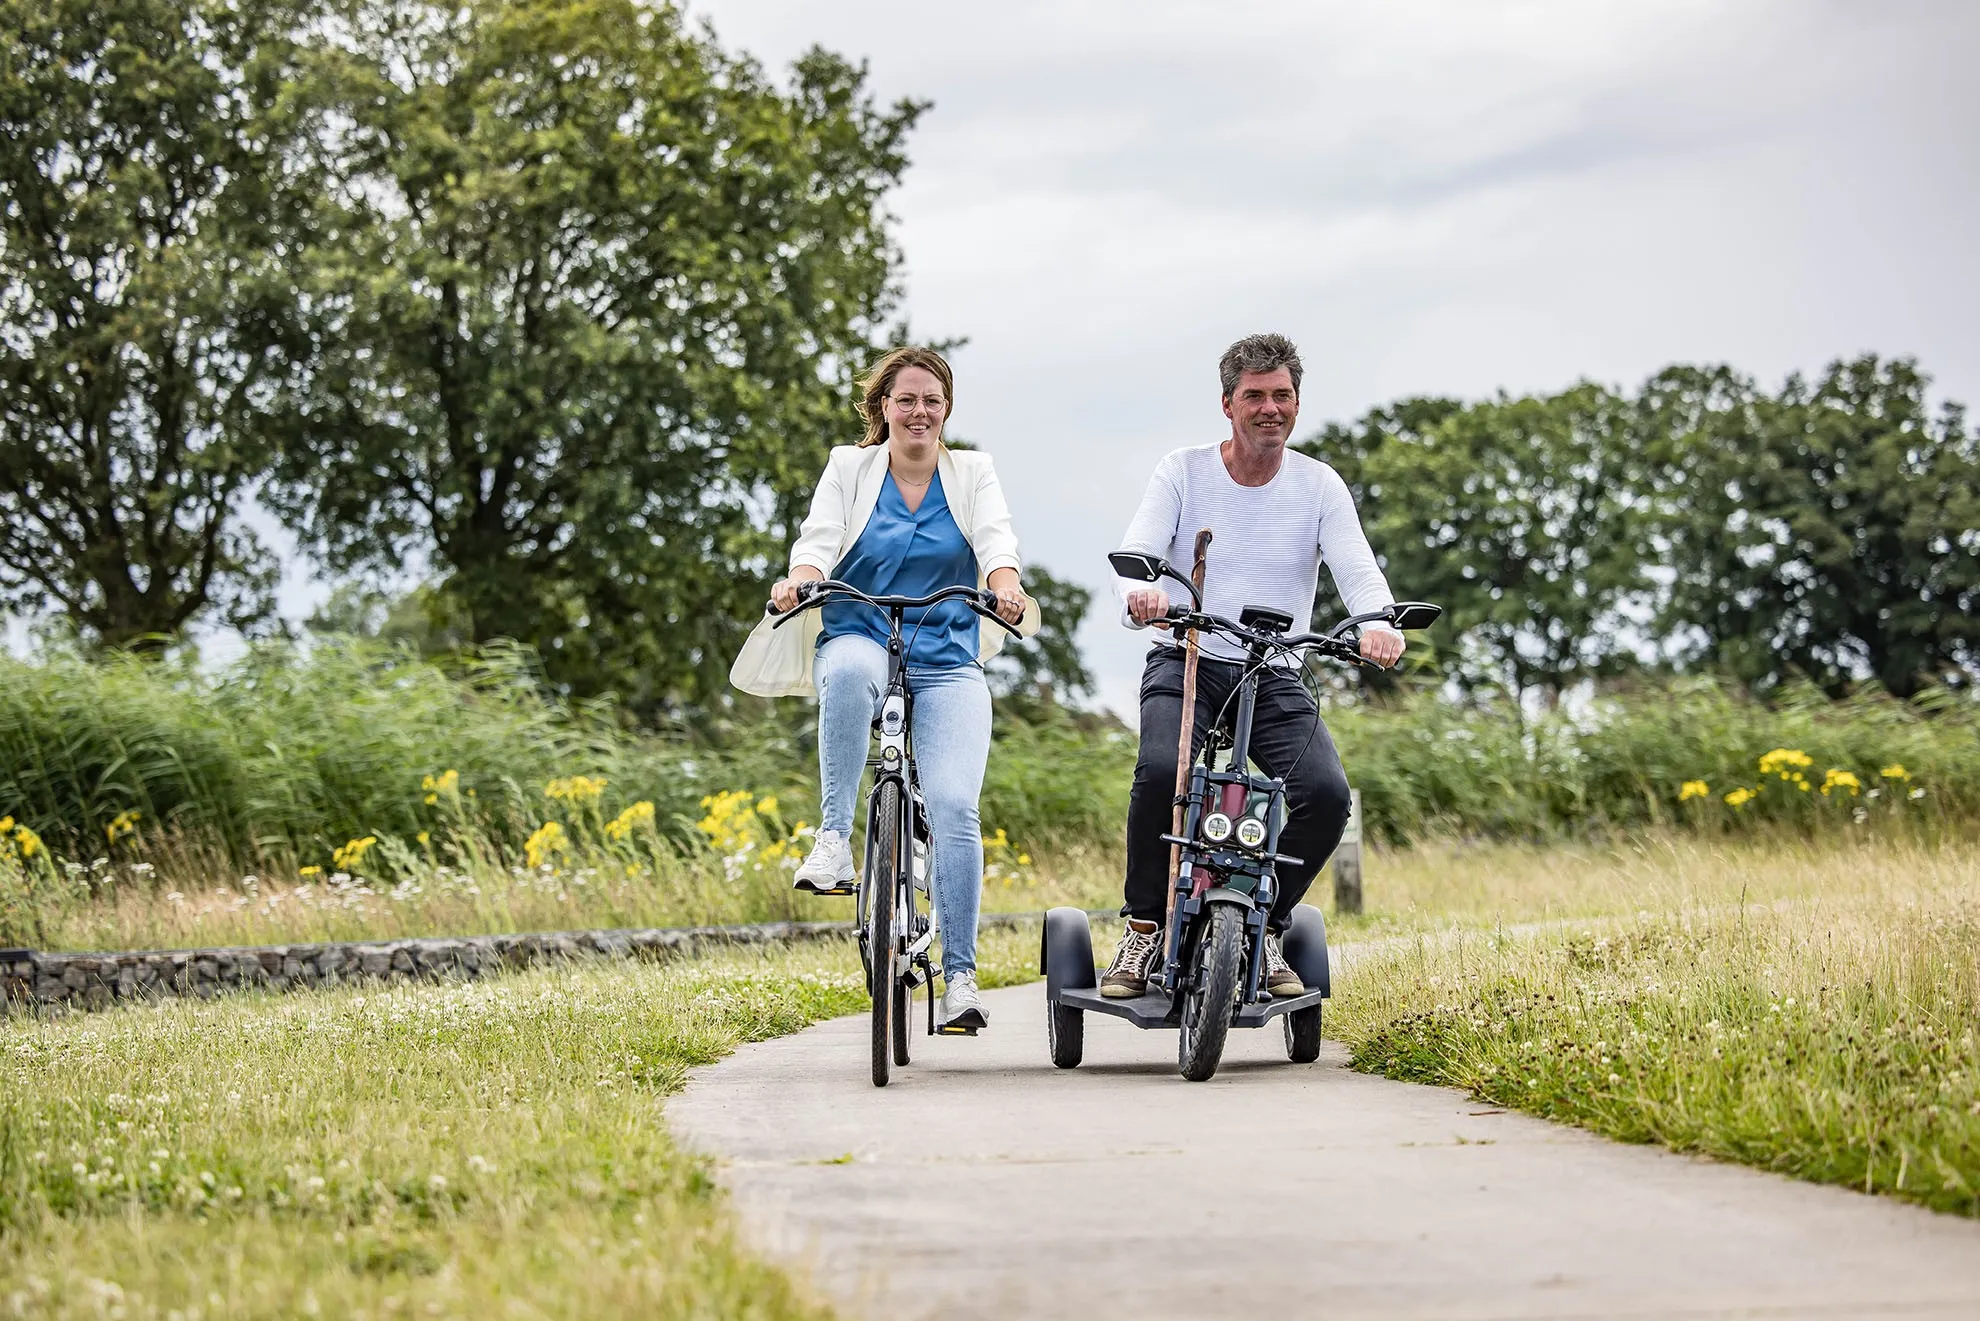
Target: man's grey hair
pixel 1258 353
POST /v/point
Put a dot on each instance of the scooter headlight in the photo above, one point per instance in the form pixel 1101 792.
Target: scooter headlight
pixel 1216 827
pixel 1251 832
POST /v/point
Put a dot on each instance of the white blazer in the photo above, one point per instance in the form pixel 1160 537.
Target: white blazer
pixel 777 662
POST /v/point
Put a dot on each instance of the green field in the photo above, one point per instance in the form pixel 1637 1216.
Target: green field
pixel 1831 1032
pixel 495 1148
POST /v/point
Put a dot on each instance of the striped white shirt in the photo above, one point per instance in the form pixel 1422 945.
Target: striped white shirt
pixel 1267 542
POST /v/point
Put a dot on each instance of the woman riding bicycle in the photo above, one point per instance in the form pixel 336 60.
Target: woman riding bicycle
pixel 901 514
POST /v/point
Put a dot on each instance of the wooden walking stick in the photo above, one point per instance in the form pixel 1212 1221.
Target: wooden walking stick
pixel 1183 744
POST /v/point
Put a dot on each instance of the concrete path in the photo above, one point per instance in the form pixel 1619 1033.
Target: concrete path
pixel 985 1183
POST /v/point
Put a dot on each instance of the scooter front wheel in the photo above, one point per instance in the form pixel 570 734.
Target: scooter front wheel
pixel 1209 1007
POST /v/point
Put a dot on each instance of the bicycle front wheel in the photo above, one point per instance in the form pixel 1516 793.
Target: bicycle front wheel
pixel 883 871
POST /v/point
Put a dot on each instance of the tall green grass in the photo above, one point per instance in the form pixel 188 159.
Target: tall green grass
pixel 273 762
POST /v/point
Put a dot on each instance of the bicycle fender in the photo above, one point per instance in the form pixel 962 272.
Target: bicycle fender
pixel 1223 894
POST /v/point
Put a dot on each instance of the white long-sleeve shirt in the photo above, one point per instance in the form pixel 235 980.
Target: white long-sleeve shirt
pixel 1267 542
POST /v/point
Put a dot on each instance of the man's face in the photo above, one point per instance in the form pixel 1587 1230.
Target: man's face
pixel 1263 407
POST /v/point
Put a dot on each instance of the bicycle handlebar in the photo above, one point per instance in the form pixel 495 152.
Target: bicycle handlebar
pixel 982 601
pixel 1182 618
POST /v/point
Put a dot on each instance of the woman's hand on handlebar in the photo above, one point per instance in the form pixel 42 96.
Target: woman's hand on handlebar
pixel 1004 585
pixel 784 592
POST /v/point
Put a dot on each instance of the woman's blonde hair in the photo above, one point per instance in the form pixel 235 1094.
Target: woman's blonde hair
pixel 877 384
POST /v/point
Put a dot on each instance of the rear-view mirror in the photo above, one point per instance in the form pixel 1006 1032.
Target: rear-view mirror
pixel 1141 568
pixel 1414 614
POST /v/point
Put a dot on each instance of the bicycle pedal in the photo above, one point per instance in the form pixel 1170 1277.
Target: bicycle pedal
pixel 952 1030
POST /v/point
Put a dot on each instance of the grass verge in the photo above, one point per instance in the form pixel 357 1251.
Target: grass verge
pixel 1831 1039
pixel 489 1149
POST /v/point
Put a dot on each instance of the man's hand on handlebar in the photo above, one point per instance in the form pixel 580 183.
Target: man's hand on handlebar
pixel 1383 646
pixel 1148 605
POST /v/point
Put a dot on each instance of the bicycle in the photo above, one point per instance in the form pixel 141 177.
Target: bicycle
pixel 894 936
pixel 1227 878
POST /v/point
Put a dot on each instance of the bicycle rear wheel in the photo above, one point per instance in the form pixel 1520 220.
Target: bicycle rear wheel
pixel 903 1015
pixel 883 870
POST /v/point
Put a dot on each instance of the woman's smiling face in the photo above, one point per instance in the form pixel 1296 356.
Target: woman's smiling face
pixel 916 408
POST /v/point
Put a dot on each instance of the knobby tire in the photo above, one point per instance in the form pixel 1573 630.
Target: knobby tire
pixel 1210 1007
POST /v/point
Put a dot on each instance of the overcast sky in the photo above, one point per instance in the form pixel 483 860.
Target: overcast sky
pixel 1454 198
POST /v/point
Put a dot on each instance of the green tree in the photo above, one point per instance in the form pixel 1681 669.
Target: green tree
pixel 590 322
pixel 148 217
pixel 1515 515
pixel 1827 532
pixel 1047 665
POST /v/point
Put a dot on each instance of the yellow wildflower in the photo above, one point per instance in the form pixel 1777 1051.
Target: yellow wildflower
pixel 309 871
pixel 548 839
pixel 768 806
pixel 1840 779
pixel 351 856
pixel 446 782
pixel 622 825
pixel 1739 797
pixel 26 841
pixel 1895 771
pixel 1783 761
pixel 124 823
pixel 1691 789
pixel 424 838
pixel 575 789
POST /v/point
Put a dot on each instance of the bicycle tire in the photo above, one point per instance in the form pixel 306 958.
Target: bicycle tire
pixel 883 880
pixel 903 1014
pixel 1209 1008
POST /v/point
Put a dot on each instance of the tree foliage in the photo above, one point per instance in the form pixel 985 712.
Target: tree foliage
pixel 1825 532
pixel 1047 665
pixel 589 320
pixel 148 314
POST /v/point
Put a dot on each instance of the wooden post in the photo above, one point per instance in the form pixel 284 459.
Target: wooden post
pixel 1347 860
pixel 1187 735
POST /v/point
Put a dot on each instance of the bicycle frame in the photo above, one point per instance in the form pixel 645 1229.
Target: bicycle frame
pixel 905 963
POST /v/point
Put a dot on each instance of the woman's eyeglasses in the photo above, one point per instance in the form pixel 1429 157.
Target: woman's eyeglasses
pixel 907 403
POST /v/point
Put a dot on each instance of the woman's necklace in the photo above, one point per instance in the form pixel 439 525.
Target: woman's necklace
pixel 902 481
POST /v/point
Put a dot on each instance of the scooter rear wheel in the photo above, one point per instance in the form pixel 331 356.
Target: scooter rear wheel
pixel 1065 1030
pixel 1303 1035
pixel 1207 1010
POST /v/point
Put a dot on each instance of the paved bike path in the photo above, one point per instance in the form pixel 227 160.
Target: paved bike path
pixel 985 1183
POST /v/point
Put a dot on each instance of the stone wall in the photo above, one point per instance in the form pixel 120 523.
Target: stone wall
pixel 32 979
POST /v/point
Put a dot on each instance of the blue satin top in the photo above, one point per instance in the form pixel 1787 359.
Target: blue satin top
pixel 903 552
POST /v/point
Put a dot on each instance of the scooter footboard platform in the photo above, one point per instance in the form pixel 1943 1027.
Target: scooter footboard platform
pixel 1155 1009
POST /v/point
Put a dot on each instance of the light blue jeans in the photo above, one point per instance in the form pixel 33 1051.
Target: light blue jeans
pixel 951 736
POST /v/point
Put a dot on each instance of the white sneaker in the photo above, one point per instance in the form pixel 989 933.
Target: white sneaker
pixel 829 869
pixel 961 1007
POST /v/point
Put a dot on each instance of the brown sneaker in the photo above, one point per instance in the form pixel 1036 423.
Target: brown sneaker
pixel 1278 978
pixel 1133 961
